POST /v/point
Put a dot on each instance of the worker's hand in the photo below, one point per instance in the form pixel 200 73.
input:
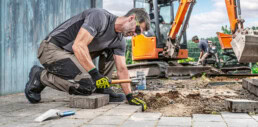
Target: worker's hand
pixel 199 61
pixel 136 101
pixel 99 79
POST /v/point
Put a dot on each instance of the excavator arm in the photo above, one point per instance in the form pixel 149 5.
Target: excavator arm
pixel 232 7
pixel 182 17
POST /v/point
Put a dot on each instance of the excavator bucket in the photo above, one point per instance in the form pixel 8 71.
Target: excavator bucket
pixel 245 46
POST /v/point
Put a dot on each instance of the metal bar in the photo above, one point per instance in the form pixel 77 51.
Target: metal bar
pixel 185 23
pixel 184 44
pixel 238 9
pixel 156 18
pixel 172 12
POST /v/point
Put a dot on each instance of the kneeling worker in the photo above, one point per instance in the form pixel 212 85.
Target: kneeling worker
pixel 67 52
pixel 203 46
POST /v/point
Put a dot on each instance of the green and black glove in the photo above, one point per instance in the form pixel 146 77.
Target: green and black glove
pixel 100 80
pixel 136 101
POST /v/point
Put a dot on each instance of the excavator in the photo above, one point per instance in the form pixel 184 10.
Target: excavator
pixel 157 50
pixel 242 45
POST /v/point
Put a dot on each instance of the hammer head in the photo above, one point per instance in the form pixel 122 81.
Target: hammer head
pixel 139 81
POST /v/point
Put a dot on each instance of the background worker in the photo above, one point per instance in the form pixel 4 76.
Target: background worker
pixel 203 46
pixel 67 53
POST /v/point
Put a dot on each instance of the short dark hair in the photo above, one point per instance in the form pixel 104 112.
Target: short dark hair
pixel 141 16
pixel 195 38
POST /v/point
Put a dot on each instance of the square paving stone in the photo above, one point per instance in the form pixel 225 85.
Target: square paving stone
pixel 84 114
pixel 145 116
pixel 89 102
pixel 131 123
pixel 175 121
pixel 209 124
pixel 235 115
pixel 108 120
pixel 127 106
pixel 20 124
pixel 109 106
pixel 99 126
pixel 241 122
pixel 14 107
pixel 120 112
pixel 207 118
pixel 64 123
pixel 255 117
pixel 6 119
pixel 241 105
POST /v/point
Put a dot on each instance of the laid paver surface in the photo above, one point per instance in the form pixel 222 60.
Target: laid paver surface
pixel 16 111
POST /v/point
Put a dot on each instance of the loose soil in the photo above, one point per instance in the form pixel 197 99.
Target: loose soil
pixel 191 96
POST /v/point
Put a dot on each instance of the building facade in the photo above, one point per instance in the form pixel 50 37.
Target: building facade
pixel 24 24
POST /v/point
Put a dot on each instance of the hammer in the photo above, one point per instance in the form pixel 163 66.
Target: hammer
pixel 134 81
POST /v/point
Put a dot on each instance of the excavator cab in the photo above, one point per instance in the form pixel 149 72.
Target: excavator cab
pixel 244 42
pixel 152 44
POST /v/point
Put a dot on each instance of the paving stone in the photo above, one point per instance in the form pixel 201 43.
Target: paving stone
pixel 207 118
pixel 6 119
pixel 241 105
pixel 255 117
pixel 241 122
pixel 127 106
pixel 19 124
pixel 229 115
pixel 17 98
pixel 64 123
pixel 175 121
pixel 89 102
pixel 109 106
pixel 99 126
pixel 209 124
pixel 245 83
pixel 145 116
pixel 120 112
pixel 84 114
pixel 140 123
pixel 108 120
pixel 14 106
pixel 254 81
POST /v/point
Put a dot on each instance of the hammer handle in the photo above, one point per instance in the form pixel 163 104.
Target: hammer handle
pixel 121 81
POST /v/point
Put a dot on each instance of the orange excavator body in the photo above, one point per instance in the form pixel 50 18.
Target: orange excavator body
pixel 145 48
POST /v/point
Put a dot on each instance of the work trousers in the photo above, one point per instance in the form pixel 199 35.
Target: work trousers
pixel 62 69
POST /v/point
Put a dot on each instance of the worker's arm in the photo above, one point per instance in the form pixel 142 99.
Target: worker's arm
pixel 201 54
pixel 81 51
pixel 122 72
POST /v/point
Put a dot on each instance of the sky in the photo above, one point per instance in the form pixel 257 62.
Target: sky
pixel 207 18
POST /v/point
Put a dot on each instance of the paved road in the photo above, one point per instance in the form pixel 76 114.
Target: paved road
pixel 15 111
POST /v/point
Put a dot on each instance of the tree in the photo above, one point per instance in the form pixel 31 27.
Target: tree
pixel 226 30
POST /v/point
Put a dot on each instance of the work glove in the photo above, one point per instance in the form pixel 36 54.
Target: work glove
pixel 100 80
pixel 199 61
pixel 136 101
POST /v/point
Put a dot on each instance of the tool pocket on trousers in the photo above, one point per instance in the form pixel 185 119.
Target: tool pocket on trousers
pixel 41 48
pixel 64 68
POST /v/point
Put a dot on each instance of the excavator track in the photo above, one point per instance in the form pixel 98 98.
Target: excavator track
pixel 164 70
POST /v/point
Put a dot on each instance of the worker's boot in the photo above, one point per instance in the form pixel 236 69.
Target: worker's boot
pixel 113 97
pixel 34 87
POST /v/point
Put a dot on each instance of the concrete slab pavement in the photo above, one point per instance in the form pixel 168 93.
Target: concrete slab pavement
pixel 17 112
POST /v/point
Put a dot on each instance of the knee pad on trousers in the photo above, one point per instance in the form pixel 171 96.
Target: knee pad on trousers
pixel 64 68
pixel 86 87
